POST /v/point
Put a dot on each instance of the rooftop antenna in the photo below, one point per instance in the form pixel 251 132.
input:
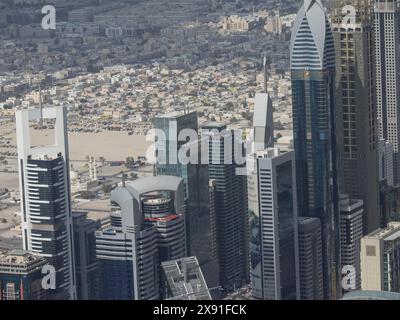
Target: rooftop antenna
pixel 265 74
pixel 41 108
pixel 91 168
pixel 30 71
pixel 123 180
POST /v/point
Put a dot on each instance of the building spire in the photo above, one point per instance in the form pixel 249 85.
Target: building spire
pixel 41 108
pixel 265 74
pixel 123 179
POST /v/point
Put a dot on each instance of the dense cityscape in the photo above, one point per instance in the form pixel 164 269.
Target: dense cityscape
pixel 199 150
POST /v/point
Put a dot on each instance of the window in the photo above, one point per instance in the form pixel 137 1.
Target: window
pixel 371 251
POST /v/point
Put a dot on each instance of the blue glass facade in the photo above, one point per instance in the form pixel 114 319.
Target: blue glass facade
pixel 313 76
pixel 199 229
pixel 21 276
pixel 314 137
pixel 23 286
pixel 286 229
pixel 117 279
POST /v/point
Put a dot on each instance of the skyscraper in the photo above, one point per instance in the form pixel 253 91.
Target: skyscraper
pixel 380 259
pixel 312 58
pixel 388 191
pixel 182 279
pixel 172 124
pixel 230 205
pixel 21 276
pixel 86 265
pixel 263 121
pixel 272 195
pixel 351 232
pixel 387 64
pixel 200 225
pixel 45 196
pixel 310 259
pixel 386 174
pixel 147 228
pixel 356 127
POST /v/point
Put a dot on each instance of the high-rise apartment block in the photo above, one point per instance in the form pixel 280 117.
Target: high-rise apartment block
pixel 45 196
pixel 351 232
pixel 386 171
pixel 387 65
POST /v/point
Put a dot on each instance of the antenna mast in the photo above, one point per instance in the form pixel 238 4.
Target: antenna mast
pixel 265 74
pixel 41 108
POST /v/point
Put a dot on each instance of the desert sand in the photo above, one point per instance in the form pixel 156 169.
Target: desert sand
pixel 112 145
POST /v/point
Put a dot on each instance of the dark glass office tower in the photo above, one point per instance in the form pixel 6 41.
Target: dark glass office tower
pixel 310 259
pixel 199 220
pixel 172 124
pixel 230 206
pixel 86 265
pixel 356 109
pixel 313 79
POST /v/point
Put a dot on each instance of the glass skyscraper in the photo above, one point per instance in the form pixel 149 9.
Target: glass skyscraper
pixel 230 205
pixel 86 265
pixel 356 109
pixel 200 224
pixel 274 267
pixel 313 74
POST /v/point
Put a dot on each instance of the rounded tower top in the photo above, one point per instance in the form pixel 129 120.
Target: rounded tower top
pixel 311 46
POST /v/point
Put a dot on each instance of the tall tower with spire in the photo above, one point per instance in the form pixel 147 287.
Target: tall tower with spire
pixel 312 63
pixel 263 124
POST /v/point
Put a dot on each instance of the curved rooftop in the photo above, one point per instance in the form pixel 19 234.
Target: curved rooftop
pixel 157 183
pixel 311 46
pixel 128 198
pixel 371 295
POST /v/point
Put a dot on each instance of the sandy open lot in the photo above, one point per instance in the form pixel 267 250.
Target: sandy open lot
pixel 9 181
pixel 112 145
